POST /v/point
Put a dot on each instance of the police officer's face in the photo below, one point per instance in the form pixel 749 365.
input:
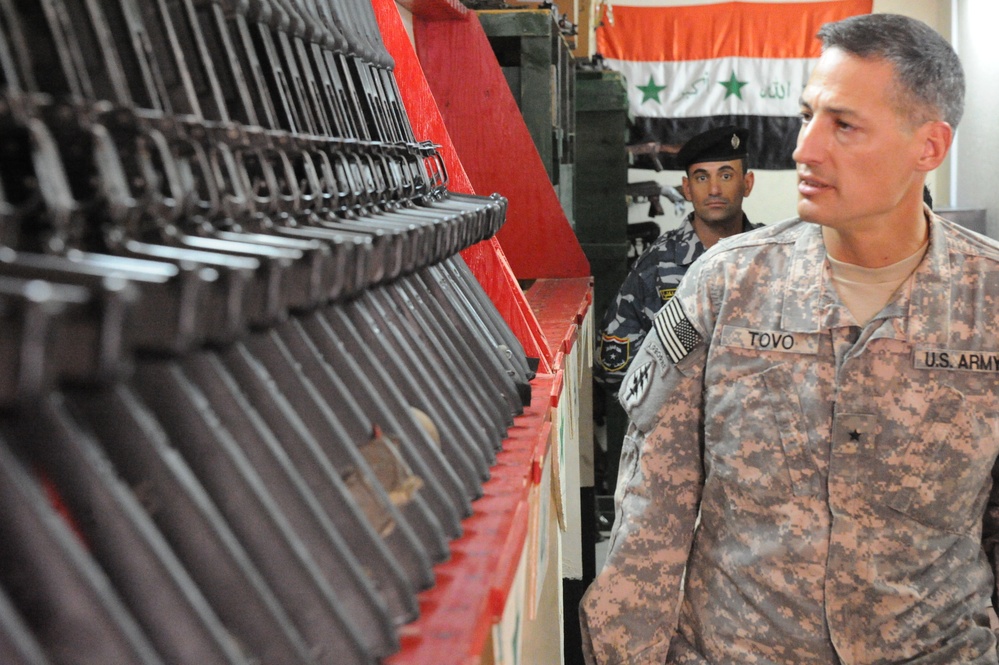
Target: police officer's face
pixel 716 190
pixel 860 160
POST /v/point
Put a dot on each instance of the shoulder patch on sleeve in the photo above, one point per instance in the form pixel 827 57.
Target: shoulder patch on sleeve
pixel 637 382
pixel 666 294
pixel 615 352
pixel 675 333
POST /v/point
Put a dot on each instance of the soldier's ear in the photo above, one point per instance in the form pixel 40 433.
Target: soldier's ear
pixel 685 185
pixel 935 138
pixel 749 179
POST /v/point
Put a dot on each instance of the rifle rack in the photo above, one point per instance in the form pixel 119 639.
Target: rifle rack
pixel 255 404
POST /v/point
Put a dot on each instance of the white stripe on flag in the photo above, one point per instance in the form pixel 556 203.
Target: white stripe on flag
pixel 722 86
pixel 678 337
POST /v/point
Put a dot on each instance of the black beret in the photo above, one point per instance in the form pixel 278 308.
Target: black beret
pixel 721 144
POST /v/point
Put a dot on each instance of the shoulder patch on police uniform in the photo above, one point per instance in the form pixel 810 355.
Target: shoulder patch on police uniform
pixel 675 333
pixel 614 352
pixel 637 383
pixel 667 294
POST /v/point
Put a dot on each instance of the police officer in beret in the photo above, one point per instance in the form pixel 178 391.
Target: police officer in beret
pixel 716 182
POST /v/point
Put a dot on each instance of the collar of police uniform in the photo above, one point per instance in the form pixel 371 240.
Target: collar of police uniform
pixel 686 228
pixel 686 233
pixel 920 314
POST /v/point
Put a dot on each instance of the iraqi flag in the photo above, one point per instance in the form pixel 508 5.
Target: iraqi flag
pixel 689 68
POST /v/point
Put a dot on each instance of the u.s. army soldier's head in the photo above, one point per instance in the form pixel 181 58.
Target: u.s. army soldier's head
pixel 878 113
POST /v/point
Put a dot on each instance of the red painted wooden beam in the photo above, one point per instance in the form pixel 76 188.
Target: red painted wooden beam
pixel 435 10
pixel 495 147
pixel 486 259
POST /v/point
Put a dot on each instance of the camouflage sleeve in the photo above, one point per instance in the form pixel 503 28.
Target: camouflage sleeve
pixel 629 613
pixel 622 331
pixel 990 535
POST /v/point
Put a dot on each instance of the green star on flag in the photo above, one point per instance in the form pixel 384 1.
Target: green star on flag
pixel 650 91
pixel 733 86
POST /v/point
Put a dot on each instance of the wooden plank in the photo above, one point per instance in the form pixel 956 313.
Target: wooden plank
pixel 537 98
pixel 586 39
pixel 435 10
pixel 496 149
pixel 486 259
pixel 516 22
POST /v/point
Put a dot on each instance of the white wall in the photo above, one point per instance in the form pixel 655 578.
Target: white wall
pixel 774 196
pixel 977 151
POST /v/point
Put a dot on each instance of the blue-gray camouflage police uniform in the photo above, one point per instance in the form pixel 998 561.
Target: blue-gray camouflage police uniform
pixel 825 488
pixel 649 284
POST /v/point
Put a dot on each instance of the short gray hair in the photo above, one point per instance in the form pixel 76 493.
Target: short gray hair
pixel 928 73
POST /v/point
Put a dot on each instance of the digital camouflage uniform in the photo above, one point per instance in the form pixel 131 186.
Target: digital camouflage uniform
pixel 840 474
pixel 649 285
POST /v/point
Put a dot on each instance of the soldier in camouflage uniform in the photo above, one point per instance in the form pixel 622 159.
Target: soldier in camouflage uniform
pixel 716 182
pixel 808 474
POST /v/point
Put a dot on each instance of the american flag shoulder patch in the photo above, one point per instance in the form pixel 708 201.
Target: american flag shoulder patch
pixel 675 333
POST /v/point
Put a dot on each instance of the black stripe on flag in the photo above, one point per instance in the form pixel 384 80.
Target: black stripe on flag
pixel 678 337
pixel 771 139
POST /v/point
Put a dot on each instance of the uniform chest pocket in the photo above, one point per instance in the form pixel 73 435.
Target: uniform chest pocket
pixel 756 437
pixel 942 478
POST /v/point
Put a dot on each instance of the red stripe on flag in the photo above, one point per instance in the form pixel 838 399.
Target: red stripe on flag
pixel 728 29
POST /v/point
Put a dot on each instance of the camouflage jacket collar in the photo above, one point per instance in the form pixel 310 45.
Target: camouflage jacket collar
pixel 687 246
pixel 919 311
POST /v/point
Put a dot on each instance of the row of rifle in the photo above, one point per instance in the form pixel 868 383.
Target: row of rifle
pixel 248 388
